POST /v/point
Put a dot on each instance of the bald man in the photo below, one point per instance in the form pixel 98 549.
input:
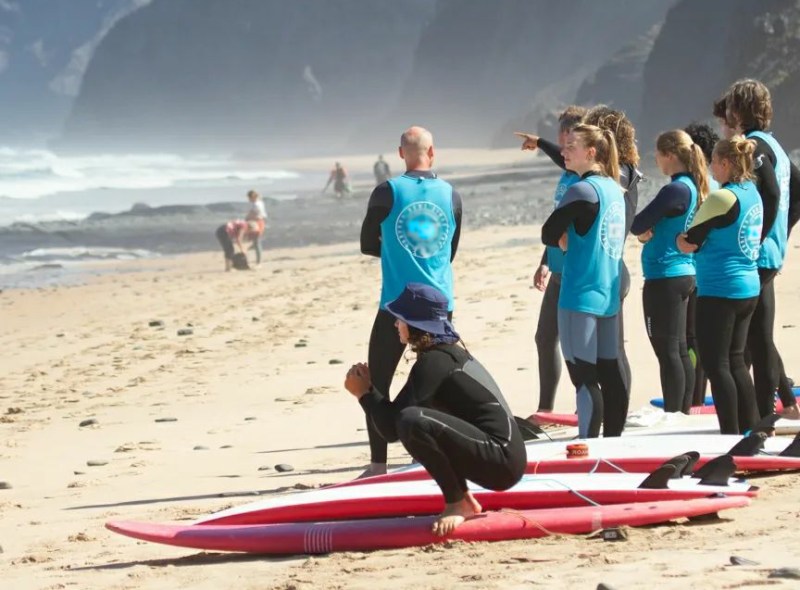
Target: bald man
pixel 413 224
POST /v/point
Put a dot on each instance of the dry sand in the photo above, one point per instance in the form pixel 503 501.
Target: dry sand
pixel 259 382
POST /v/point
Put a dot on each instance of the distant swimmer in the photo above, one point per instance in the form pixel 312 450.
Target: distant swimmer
pixel 381 171
pixel 669 274
pixel 725 237
pixel 258 214
pixel 589 224
pixel 450 415
pixel 547 277
pixel 340 180
pixel 413 224
pixel 230 236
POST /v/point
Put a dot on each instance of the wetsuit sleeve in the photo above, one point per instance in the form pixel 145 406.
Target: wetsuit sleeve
pixel 552 151
pixel 424 381
pixel 579 206
pixel 629 178
pixel 767 184
pixel 380 204
pixel 671 201
pixel 719 210
pixel 457 212
pixel 794 196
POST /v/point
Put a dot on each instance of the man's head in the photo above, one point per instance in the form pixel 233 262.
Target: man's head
pixel 416 148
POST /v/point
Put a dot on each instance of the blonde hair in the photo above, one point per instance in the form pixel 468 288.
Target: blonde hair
pixel 605 146
pixel 679 144
pixel 738 152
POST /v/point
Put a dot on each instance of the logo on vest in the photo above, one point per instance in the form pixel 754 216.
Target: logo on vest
pixel 422 229
pixel 750 232
pixel 612 231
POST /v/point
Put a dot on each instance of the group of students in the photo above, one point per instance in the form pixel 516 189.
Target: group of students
pixel 710 257
pixel 712 248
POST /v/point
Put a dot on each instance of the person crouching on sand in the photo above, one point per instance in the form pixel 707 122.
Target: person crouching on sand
pixel 232 233
pixel 450 415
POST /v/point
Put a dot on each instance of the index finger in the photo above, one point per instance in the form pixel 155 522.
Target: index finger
pixel 525 135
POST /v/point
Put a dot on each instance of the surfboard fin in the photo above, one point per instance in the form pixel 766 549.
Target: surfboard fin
pixel 767 424
pixel 716 472
pixel 528 430
pixel 679 462
pixel 793 450
pixel 749 445
pixel 659 479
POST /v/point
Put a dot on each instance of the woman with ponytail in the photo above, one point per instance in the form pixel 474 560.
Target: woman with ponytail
pixel 725 236
pixel 589 225
pixel 669 273
pixel 450 415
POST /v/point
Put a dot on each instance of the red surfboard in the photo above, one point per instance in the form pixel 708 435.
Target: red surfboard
pixel 394 533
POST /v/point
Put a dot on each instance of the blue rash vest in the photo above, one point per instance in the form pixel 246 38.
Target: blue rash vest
pixel 555 257
pixel 661 258
pixel 590 279
pixel 416 237
pixel 773 248
pixel 726 262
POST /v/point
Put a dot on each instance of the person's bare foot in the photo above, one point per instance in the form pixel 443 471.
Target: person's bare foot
pixel 455 514
pixel 790 412
pixel 373 470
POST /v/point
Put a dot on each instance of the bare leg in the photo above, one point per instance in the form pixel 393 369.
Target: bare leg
pixel 455 514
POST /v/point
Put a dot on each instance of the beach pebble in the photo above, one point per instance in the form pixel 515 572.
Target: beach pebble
pixel 602 586
pixel 736 560
pixel 155 323
pixel 88 422
pixel 335 362
pixel 265 468
pixel 60 335
pixel 4 485
pixel 96 463
pixel 185 332
pixel 226 447
pixel 200 448
pixel 789 573
pixel 255 319
pixel 79 472
pixel 166 419
pixel 250 418
pixel 300 345
pixel 283 468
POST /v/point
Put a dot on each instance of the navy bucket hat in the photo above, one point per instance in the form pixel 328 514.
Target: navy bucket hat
pixel 424 308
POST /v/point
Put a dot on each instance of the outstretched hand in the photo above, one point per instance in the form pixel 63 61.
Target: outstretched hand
pixel 530 141
pixel 358 380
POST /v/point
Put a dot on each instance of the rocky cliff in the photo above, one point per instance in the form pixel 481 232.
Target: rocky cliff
pixel 245 74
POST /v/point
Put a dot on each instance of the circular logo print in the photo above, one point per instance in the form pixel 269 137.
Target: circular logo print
pixel 612 231
pixel 750 232
pixel 422 229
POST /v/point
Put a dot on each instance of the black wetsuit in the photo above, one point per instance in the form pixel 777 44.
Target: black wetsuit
pixel 452 418
pixel 722 325
pixel 665 304
pixel 385 348
pixel 768 372
pixel 629 178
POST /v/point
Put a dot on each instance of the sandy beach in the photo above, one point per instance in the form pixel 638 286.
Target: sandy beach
pixel 183 425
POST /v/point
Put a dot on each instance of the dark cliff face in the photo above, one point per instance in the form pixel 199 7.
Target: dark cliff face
pixel 481 64
pixel 245 74
pixel 704 46
pixel 44 48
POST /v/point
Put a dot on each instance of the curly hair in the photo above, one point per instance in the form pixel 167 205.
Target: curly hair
pixel 617 122
pixel 749 105
pixel 420 340
pixel 704 136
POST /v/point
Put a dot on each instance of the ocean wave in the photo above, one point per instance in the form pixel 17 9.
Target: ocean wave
pixel 29 174
pixel 82 254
